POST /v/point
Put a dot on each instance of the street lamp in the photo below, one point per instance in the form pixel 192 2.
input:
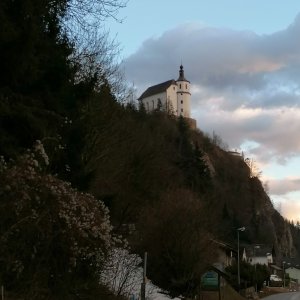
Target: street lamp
pixel 283 263
pixel 143 285
pixel 255 247
pixel 238 251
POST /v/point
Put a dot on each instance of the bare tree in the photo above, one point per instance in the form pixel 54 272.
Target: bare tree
pixel 95 54
pixel 91 13
pixel 254 170
pixel 217 141
pixel 96 57
pixel 122 272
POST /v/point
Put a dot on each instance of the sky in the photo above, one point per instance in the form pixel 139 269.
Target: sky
pixel 242 58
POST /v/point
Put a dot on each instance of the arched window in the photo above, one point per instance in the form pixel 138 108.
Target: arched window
pixel 159 104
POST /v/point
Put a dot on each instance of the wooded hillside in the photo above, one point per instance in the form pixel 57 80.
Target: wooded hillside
pixel 82 172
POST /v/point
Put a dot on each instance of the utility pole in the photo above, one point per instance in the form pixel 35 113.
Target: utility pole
pixel 238 253
pixel 255 262
pixel 283 263
pixel 143 285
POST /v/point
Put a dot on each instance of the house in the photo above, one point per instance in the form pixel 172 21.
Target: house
pixel 259 254
pixel 294 272
pixel 226 254
pixel 276 270
pixel 216 276
pixel 291 266
pixel 172 96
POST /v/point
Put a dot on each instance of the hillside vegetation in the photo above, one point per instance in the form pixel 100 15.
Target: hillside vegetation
pixel 83 173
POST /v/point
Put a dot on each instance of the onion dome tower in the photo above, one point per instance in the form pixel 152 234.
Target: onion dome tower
pixel 183 95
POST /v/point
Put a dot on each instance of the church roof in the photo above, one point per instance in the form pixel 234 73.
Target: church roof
pixel 156 89
pixel 259 250
pixel 181 74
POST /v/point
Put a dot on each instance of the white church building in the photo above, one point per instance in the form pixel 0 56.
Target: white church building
pixel 172 96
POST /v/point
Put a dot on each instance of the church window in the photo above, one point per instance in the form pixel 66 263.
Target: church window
pixel 159 104
pixel 186 86
pixel 181 94
pixel 174 88
pixel 152 104
pixel 180 85
pixel 181 101
pixel 182 110
pixel 147 106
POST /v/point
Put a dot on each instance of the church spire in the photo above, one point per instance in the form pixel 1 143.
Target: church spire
pixel 181 74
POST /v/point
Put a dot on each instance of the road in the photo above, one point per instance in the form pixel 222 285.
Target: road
pixel 284 296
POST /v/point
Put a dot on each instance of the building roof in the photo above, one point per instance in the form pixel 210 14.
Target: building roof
pixel 259 250
pixel 291 262
pixel 272 266
pixel 156 89
pixel 224 245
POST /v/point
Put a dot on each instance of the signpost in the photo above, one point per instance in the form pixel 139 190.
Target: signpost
pixel 210 281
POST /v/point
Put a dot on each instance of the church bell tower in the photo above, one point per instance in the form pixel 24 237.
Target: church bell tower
pixel 183 95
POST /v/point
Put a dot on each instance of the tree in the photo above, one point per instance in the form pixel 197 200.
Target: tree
pixel 174 233
pixel 253 168
pixel 191 159
pixel 96 59
pixel 85 15
pixel 36 75
pixel 122 272
pixel 52 237
pixel 217 141
pixel 55 59
pixel 251 275
pixel 30 31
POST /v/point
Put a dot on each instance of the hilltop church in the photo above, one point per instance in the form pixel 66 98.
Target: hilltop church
pixel 171 96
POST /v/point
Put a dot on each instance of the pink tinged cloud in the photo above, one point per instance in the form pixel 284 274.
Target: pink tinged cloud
pixel 284 186
pixel 288 206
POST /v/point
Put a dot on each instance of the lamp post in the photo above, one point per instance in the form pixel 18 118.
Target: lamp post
pixel 238 251
pixel 254 256
pixel 143 285
pixel 283 263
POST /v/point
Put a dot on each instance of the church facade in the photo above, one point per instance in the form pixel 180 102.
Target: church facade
pixel 171 96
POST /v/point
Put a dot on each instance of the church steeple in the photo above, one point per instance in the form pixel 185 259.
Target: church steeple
pixel 181 74
pixel 183 95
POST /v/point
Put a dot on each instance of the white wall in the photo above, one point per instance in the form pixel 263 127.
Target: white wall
pixel 293 273
pixel 262 260
pixel 183 98
pixel 171 100
pixel 150 103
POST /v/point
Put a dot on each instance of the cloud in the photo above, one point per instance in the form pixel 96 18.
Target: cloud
pixel 291 210
pixel 284 186
pixel 221 59
pixel 289 206
pixel 245 86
